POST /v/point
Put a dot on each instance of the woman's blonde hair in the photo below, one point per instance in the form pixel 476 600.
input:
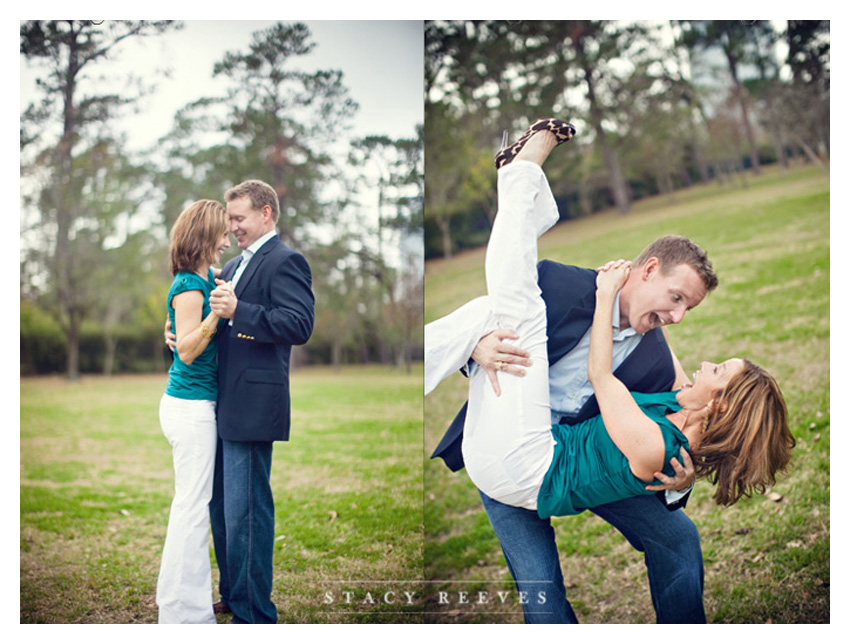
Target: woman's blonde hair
pixel 746 439
pixel 196 234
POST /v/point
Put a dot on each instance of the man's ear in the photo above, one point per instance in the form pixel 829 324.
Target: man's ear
pixel 649 267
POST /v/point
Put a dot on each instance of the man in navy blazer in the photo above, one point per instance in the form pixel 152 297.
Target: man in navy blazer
pixel 266 299
pixel 669 539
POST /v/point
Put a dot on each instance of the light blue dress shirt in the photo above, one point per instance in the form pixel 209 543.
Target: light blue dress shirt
pixel 569 387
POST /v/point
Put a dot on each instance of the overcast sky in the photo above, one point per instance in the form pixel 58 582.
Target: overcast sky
pixel 381 61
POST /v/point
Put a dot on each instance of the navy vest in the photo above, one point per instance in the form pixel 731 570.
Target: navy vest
pixel 570 296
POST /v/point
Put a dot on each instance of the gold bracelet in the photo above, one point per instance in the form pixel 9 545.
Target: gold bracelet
pixel 205 332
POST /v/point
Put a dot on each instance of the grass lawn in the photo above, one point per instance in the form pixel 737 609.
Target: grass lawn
pixel 97 479
pixel 360 527
pixel 767 558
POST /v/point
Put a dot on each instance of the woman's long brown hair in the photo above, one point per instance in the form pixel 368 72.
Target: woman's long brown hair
pixel 746 439
pixel 196 235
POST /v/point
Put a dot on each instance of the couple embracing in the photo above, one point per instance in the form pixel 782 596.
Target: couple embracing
pixel 227 401
pixel 577 402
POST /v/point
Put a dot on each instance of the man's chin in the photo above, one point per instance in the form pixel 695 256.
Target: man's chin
pixel 644 326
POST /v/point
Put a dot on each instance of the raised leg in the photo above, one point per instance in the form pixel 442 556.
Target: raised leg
pixel 507 442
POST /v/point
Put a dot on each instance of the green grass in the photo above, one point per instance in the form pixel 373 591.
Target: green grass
pixel 96 475
pixel 766 560
pixel 96 486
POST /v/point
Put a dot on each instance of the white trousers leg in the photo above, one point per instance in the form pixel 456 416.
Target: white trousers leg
pixel 184 588
pixel 507 445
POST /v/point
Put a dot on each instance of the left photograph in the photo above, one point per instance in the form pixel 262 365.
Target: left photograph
pixel 221 322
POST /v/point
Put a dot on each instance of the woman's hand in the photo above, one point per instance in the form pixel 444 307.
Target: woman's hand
pixel 611 277
pixel 223 300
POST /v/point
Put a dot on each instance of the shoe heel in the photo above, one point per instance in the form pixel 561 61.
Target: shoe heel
pixel 562 131
pixel 504 155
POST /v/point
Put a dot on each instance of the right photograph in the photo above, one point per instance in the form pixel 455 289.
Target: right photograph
pixel 627 342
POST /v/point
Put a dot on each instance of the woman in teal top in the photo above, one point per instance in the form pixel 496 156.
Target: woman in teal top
pixel 588 469
pixel 197 380
pixel 732 418
pixel 187 414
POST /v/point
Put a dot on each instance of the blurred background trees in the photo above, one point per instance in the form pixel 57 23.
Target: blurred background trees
pixel 657 105
pixel 95 217
pixel 85 185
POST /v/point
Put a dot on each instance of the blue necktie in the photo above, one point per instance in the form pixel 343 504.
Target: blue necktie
pixel 243 261
pixel 236 268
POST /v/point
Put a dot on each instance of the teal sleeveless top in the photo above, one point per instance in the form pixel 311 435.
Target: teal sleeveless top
pixel 588 470
pixel 199 380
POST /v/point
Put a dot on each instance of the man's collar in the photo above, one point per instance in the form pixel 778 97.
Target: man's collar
pixel 615 320
pixel 253 248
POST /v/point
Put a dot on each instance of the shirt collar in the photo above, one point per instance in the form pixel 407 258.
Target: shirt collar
pixel 615 321
pixel 253 248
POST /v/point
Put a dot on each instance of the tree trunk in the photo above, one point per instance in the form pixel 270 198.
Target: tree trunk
pixel 110 347
pixel 781 156
pixel 336 354
pixel 443 224
pixel 745 115
pixel 615 176
pixel 699 159
pixel 73 361
pixel 64 197
pixel 810 154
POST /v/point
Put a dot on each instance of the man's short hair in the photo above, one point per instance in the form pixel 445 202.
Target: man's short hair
pixel 259 192
pixel 672 250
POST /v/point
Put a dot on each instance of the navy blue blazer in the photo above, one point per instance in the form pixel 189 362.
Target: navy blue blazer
pixel 570 296
pixel 274 312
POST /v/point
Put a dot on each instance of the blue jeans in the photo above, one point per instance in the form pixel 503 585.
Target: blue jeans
pixel 217 525
pixel 669 541
pixel 242 517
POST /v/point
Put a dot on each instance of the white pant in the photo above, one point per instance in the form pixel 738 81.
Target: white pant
pixel 184 588
pixel 507 440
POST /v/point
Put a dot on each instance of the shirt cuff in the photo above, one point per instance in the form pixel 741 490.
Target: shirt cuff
pixel 674 496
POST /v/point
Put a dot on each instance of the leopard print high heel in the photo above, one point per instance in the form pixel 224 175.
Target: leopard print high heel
pixel 562 130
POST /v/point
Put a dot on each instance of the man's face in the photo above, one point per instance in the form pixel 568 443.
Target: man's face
pixel 246 223
pixel 651 299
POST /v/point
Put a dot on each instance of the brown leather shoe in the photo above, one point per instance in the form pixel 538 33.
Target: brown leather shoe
pixel 221 607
